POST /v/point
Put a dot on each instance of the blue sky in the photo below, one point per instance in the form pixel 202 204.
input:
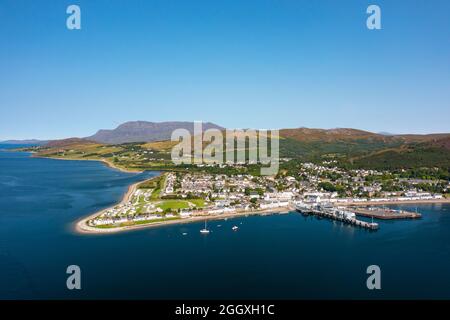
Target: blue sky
pixel 246 63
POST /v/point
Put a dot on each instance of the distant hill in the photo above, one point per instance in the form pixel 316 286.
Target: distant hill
pixel 330 135
pixel 384 133
pixel 431 153
pixel 443 143
pixel 347 134
pixel 144 131
pixel 365 149
pixel 68 142
pixel 309 144
pixel 29 141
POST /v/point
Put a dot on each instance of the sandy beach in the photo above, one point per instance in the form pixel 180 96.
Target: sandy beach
pixel 81 225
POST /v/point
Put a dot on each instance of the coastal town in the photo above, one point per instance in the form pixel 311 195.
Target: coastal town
pixel 321 189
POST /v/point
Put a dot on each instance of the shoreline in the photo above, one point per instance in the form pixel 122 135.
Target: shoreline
pixel 105 162
pixel 81 226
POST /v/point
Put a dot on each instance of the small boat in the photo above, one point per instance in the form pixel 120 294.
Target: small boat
pixel 184 233
pixel 219 225
pixel 205 229
pixel 235 228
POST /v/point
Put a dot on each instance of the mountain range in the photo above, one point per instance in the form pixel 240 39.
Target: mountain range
pixel 348 146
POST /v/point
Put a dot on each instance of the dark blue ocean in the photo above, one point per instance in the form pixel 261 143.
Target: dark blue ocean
pixel 278 256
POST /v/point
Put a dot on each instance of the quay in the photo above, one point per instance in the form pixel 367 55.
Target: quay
pixel 337 214
pixel 386 214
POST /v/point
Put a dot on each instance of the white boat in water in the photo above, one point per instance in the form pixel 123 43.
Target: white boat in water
pixel 205 229
pixel 235 228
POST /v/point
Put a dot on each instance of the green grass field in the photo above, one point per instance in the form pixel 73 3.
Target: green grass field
pixel 200 203
pixel 173 205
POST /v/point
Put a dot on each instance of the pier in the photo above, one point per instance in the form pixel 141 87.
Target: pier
pixel 386 214
pixel 330 213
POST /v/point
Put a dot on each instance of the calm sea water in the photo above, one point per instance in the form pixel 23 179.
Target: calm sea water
pixel 279 256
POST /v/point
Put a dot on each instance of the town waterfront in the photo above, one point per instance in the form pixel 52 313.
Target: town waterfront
pixel 276 256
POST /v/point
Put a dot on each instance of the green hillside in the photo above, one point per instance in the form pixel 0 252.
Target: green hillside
pixel 411 157
pixel 349 147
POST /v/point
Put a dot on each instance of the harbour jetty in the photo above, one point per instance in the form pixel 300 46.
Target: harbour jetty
pixel 334 213
pixel 385 213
